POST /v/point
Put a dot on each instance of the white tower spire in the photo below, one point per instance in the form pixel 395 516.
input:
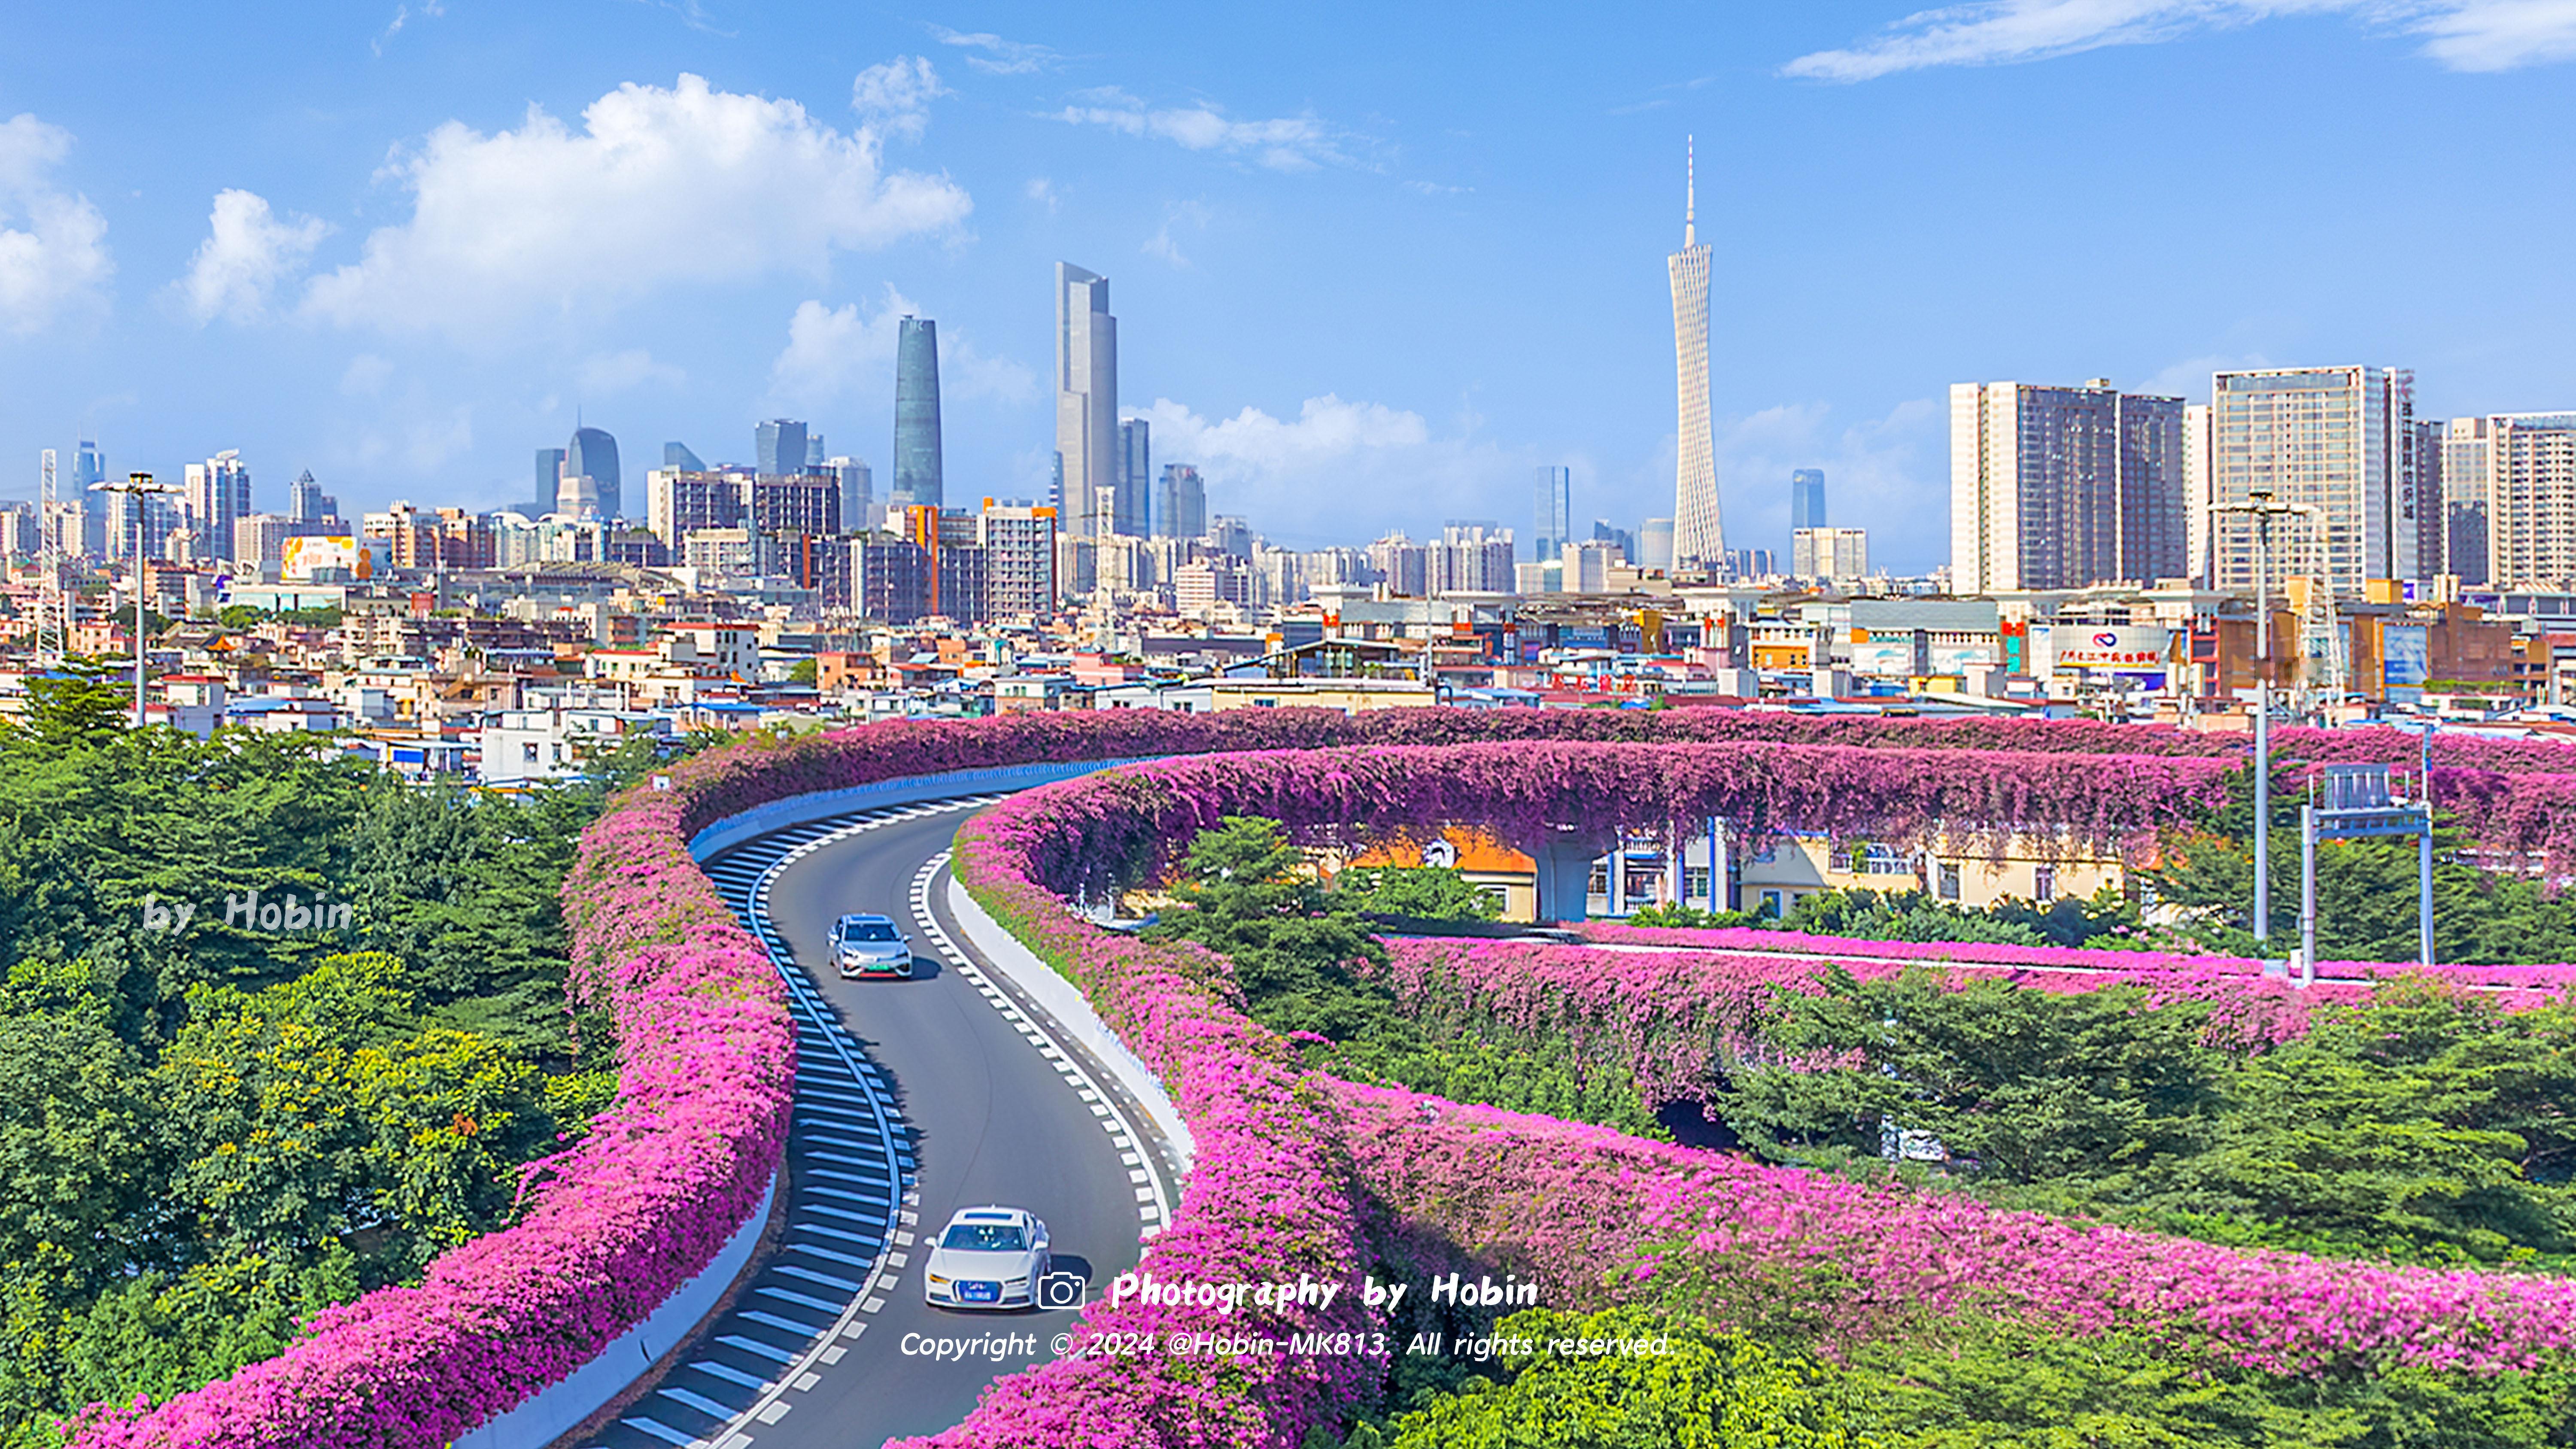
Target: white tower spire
pixel 1699 537
pixel 1690 192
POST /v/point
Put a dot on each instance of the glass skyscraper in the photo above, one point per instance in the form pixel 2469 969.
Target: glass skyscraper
pixel 593 455
pixel 916 415
pixel 1806 498
pixel 1180 505
pixel 1135 480
pixel 1086 402
pixel 677 455
pixel 1555 513
pixel 779 446
pixel 550 463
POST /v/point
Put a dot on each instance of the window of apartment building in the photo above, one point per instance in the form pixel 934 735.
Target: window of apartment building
pixel 2043 884
pixel 1949 882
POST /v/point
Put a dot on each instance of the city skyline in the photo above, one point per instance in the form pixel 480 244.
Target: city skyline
pixel 267 282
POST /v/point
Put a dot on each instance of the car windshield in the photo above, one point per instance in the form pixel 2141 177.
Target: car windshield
pixel 868 931
pixel 985 1238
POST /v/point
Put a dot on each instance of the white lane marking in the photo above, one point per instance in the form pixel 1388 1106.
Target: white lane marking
pixel 1154 1207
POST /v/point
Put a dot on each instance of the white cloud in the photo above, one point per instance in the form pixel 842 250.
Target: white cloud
pixel 2476 35
pixel 1343 470
pixel 896 96
pixel 659 187
pixel 365 375
pixel 429 10
pixel 993 55
pixel 53 243
pixel 1290 143
pixel 833 353
pixel 1160 244
pixel 246 254
pixel 608 373
pixel 2189 378
pixel 1041 191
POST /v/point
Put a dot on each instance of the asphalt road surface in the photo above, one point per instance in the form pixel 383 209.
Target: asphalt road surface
pixel 914 1098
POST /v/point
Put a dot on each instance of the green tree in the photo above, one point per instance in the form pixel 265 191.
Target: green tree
pixel 1423 893
pixel 1567 1385
pixel 1247 894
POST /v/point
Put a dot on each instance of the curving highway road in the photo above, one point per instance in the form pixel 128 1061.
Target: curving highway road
pixel 914 1098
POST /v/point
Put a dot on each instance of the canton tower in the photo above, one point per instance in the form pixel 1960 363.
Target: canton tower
pixel 1699 540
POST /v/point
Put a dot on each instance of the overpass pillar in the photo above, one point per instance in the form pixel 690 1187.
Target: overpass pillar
pixel 1565 860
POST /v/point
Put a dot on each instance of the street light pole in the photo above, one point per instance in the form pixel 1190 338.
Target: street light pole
pixel 138 486
pixel 2262 508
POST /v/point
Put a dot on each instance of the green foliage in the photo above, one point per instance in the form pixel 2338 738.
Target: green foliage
pixel 1684 1384
pixel 1677 916
pixel 209 1132
pixel 2366 893
pixel 1308 967
pixel 2425 1125
pixel 803 671
pixel 1996 1385
pixel 2105 921
pixel 1425 893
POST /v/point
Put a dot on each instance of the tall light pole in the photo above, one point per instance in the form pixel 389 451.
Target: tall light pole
pixel 138 486
pixel 2260 505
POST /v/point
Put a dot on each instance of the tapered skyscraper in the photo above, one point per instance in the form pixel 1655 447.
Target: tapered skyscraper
pixel 917 476
pixel 1699 540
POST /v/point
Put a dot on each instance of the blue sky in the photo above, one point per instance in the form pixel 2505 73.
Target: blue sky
pixel 1372 264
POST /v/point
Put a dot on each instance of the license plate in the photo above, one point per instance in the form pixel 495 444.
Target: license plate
pixel 980 1292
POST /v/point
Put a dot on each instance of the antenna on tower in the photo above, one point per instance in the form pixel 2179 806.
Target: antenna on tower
pixel 1690 191
pixel 52 609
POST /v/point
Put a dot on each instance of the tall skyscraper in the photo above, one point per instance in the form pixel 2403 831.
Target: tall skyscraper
pixel 593 455
pixel 676 456
pixel 779 445
pixel 1555 513
pixel 1019 560
pixel 550 463
pixel 1699 538
pixel 815 459
pixel 2432 523
pixel 1180 503
pixel 2198 474
pixel 2531 500
pixel 307 503
pixel 2332 439
pixel 2064 487
pixel 916 480
pixel 1806 498
pixel 216 496
pixel 89 465
pixel 1086 398
pixel 1133 499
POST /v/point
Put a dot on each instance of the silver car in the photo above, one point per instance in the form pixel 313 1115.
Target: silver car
pixel 870 946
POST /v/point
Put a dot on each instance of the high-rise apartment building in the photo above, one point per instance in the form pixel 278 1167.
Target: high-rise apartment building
pixel 2468 452
pixel 2199 472
pixel 679 503
pixel 1555 514
pixel 1699 539
pixel 1018 540
pixel 2432 522
pixel 917 479
pixel 1473 557
pixel 780 505
pixel 778 445
pixel 593 455
pixel 1231 534
pixel 2334 440
pixel 1403 567
pixel 1834 555
pixel 1180 503
pixel 216 497
pixel 2063 487
pixel 1806 498
pixel 1132 502
pixel 2531 500
pixel 1086 400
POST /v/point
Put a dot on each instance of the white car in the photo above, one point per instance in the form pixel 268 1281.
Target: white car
pixel 987 1257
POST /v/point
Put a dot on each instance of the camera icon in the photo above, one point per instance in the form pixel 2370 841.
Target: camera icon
pixel 1062 1290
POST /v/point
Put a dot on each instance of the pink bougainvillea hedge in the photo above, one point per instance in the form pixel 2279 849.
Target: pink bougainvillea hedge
pixel 611 1225
pixel 1266 1200
pixel 1596 1217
